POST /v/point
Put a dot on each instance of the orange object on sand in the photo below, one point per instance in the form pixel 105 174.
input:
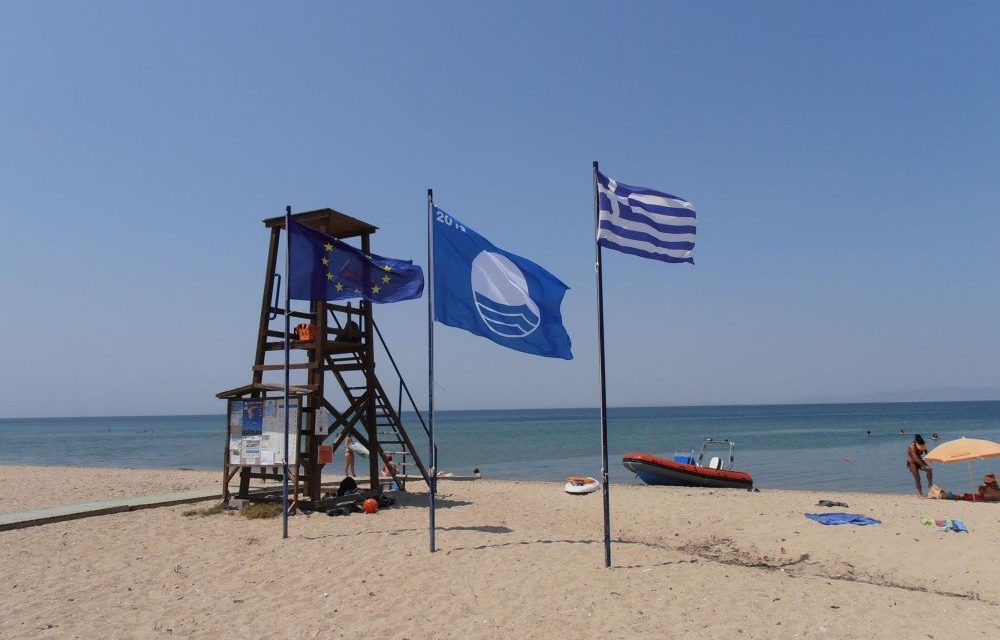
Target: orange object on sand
pixel 370 505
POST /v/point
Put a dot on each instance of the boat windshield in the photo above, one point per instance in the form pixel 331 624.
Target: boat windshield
pixel 716 446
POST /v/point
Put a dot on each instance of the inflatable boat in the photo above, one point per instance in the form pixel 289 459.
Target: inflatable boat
pixel 578 486
pixel 685 471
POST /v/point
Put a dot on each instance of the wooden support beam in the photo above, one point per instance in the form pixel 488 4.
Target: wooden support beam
pixel 303 315
pixel 281 367
pixel 265 304
pixel 330 346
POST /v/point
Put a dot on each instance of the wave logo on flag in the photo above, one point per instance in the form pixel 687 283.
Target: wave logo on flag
pixel 494 293
pixel 645 222
pixel 500 291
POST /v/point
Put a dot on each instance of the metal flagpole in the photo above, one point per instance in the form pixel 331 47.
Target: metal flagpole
pixel 604 393
pixel 284 489
pixel 430 358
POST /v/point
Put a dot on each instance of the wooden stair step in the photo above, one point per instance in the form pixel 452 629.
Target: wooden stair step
pixel 346 367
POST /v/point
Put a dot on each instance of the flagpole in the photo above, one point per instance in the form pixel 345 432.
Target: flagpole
pixel 604 391
pixel 284 488
pixel 432 481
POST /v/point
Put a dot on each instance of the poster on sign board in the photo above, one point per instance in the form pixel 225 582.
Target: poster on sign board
pixel 257 431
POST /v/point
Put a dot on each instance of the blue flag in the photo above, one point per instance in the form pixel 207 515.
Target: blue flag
pixel 324 268
pixel 495 294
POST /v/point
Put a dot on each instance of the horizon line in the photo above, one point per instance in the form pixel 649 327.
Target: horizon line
pixel 579 408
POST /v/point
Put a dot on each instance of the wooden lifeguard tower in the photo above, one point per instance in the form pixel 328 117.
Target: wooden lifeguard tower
pixel 341 393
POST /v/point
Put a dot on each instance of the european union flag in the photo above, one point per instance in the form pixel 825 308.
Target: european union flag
pixel 324 268
pixel 496 294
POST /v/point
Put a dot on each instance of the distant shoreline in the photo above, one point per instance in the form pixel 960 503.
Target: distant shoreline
pixel 221 416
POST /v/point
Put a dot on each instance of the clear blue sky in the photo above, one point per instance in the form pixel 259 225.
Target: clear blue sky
pixel 843 157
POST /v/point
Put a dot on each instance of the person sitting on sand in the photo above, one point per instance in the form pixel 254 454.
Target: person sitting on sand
pixel 389 469
pixel 915 463
pixel 989 490
pixel 348 487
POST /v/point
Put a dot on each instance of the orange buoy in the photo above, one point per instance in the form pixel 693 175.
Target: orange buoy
pixel 370 505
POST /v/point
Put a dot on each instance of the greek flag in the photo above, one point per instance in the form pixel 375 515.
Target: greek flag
pixel 644 222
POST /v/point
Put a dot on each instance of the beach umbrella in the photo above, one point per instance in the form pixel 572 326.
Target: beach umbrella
pixel 964 450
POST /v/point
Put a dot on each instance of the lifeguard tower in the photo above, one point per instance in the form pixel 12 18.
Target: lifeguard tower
pixel 339 393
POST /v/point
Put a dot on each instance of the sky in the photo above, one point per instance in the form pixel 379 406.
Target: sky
pixel 843 159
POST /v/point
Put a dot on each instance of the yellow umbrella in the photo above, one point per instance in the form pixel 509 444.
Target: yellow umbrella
pixel 964 450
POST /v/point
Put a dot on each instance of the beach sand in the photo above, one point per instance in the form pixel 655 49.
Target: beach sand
pixel 515 560
pixel 26 488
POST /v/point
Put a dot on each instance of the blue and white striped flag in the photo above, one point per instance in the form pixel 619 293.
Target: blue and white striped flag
pixel 644 222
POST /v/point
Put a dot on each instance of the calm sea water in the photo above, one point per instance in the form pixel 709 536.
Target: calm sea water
pixel 784 446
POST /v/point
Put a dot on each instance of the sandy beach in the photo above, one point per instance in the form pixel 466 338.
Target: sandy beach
pixel 515 560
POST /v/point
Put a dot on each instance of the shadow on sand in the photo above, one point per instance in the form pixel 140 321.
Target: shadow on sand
pixel 420 500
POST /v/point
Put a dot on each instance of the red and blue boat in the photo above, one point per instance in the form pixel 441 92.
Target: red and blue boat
pixel 686 471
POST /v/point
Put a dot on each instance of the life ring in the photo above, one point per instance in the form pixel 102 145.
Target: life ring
pixel 581 485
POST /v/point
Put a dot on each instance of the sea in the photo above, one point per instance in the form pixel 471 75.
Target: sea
pixel 820 446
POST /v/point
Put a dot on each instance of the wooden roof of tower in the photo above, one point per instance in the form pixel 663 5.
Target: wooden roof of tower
pixel 239 392
pixel 331 222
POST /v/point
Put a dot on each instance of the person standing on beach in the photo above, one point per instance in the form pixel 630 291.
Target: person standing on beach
pixel 915 463
pixel 349 457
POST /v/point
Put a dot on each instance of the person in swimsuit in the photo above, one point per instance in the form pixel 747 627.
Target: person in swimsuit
pixel 349 457
pixel 915 463
pixel 389 469
pixel 990 490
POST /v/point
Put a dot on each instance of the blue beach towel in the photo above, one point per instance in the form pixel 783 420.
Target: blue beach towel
pixel 842 518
